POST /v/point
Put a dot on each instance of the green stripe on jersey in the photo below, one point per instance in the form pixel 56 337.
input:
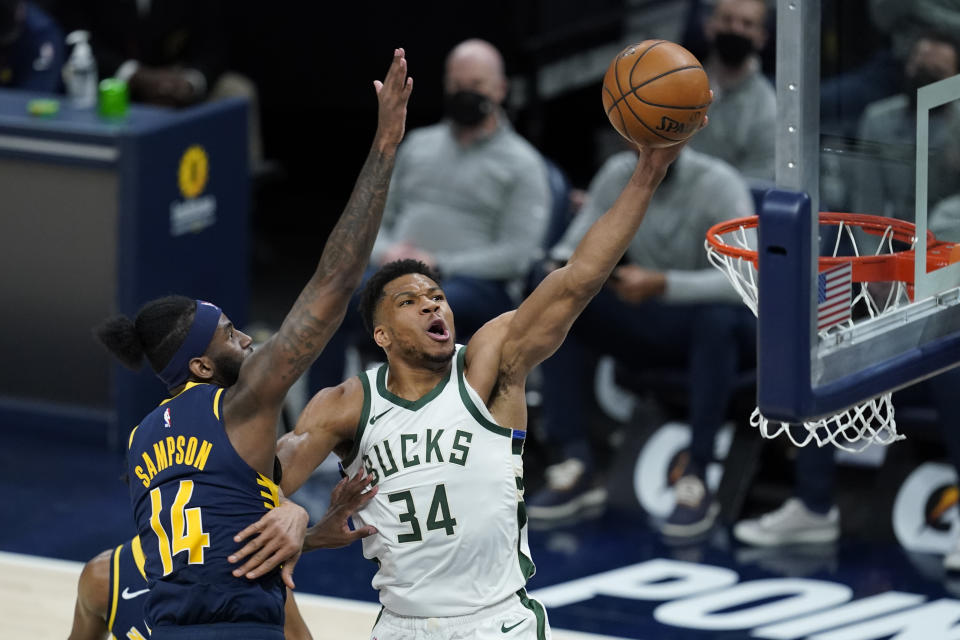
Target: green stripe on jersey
pixel 527 568
pixel 468 403
pixel 364 415
pixel 412 405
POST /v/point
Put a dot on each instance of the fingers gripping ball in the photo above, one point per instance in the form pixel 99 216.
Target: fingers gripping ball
pixel 656 93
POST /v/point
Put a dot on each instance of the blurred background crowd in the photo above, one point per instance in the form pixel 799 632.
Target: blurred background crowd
pixel 506 164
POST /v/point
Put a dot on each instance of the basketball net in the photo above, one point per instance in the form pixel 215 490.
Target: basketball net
pixel 731 247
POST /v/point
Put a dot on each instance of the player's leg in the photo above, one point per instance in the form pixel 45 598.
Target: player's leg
pixel 294 626
pixel 93 599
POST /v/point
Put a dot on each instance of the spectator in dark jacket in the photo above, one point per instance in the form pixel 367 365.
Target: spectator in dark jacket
pixel 31 48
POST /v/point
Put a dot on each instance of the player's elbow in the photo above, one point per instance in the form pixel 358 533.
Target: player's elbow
pixel 582 282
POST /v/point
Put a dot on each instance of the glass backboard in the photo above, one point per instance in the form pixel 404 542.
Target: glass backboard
pixel 860 128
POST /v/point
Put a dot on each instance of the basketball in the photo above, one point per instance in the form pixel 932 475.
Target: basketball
pixel 656 93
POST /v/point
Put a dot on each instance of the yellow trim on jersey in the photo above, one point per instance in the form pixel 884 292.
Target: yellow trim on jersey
pixel 116 587
pixel 138 558
pixel 130 441
pixel 272 492
pixel 186 388
pixel 216 402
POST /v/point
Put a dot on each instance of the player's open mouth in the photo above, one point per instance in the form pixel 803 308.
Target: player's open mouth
pixel 438 331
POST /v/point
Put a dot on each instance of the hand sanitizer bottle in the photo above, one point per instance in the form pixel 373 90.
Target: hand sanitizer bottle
pixel 80 71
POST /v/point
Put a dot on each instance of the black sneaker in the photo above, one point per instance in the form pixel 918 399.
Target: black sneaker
pixel 568 492
pixel 695 511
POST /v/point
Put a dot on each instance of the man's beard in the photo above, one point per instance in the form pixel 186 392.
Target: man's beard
pixel 228 370
pixel 413 352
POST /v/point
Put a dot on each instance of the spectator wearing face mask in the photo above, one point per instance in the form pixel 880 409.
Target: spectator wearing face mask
pixel 469 197
pixel 31 48
pixel 744 110
pixel 899 23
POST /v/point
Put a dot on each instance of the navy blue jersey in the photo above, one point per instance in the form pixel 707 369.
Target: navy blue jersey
pixel 191 494
pixel 128 588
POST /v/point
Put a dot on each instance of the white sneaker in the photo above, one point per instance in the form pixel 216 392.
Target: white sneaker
pixel 951 561
pixel 792 523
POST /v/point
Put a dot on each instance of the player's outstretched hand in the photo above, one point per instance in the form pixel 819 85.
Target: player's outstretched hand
pixel 333 529
pixel 392 94
pixel 277 539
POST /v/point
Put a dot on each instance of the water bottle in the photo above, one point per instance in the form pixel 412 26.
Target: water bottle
pixel 80 71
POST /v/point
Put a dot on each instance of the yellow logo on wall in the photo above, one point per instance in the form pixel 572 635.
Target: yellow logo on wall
pixel 194 171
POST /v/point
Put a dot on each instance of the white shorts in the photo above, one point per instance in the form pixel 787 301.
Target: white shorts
pixel 517 617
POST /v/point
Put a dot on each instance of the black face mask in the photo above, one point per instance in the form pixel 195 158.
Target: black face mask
pixel 467 108
pixel 732 48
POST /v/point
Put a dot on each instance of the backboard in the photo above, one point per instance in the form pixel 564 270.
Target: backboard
pixel 891 158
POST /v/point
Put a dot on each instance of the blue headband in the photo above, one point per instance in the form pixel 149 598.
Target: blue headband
pixel 201 332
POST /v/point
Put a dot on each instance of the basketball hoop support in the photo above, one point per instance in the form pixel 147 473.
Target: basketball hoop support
pixel 787 342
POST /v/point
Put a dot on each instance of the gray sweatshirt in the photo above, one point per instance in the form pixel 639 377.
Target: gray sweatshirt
pixel 479 210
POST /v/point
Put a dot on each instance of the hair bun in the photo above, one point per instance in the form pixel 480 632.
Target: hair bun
pixel 119 335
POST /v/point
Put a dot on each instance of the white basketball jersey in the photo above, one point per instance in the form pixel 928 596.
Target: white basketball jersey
pixel 452 535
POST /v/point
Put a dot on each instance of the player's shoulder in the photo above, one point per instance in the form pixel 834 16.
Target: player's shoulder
pixel 493 327
pixel 340 404
pixel 488 340
pixel 349 390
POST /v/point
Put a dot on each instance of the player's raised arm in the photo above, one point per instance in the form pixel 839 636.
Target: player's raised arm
pixel 537 328
pixel 267 375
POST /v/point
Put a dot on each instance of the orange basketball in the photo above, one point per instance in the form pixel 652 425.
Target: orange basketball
pixel 656 93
